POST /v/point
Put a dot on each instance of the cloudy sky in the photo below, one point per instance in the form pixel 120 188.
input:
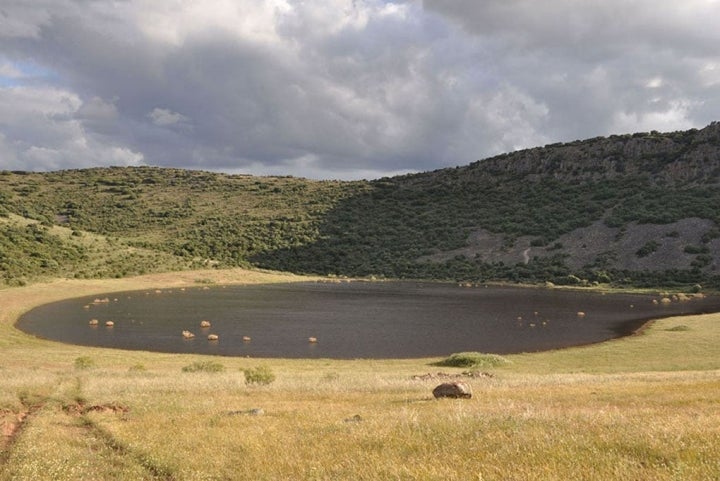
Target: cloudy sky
pixel 342 89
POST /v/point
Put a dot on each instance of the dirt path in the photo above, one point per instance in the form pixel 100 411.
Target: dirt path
pixel 63 418
pixel 11 424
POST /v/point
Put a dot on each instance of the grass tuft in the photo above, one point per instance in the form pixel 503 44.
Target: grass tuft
pixel 204 366
pixel 678 328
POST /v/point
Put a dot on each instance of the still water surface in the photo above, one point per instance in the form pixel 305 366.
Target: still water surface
pixel 351 320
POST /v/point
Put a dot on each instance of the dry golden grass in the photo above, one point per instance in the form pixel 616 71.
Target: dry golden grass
pixel 642 408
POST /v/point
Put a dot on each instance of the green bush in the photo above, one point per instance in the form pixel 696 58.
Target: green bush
pixel 647 249
pixel 204 366
pixel 472 359
pixel 84 362
pixel 261 375
pixel 696 249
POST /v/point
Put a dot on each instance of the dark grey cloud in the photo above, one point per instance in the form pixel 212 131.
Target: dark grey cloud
pixel 341 88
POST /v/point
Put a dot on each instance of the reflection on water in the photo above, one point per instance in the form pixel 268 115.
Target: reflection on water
pixel 350 320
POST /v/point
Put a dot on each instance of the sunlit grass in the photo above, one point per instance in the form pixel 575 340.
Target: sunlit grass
pixel 642 408
pixel 606 427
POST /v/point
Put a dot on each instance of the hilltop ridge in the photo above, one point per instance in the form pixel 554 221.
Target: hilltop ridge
pixel 674 158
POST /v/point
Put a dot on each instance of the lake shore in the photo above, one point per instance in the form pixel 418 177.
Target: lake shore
pixel 18 300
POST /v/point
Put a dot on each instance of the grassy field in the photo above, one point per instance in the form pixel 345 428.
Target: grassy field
pixel 645 407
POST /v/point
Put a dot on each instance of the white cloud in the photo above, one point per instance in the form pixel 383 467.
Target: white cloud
pixel 654 83
pixel 709 74
pixel 343 87
pixel 672 117
pixel 9 70
pixel 39 131
pixel 309 167
pixel 174 21
pixel 165 117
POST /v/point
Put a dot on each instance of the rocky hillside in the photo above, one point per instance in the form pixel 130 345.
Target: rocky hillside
pixel 641 209
pixel 676 158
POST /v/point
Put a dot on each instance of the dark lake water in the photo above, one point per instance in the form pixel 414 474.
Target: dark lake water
pixel 351 320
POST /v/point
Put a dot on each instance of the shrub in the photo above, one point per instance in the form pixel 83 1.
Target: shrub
pixel 84 362
pixel 472 359
pixel 261 375
pixel 690 249
pixel 204 366
pixel 701 261
pixel 647 249
pixel 538 242
pixel 137 368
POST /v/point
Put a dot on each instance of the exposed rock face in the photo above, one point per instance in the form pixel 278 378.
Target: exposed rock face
pixel 455 390
pixel 600 245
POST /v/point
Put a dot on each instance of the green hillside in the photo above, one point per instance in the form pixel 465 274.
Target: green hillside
pixel 641 209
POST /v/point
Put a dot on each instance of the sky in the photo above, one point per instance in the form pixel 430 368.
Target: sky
pixel 342 89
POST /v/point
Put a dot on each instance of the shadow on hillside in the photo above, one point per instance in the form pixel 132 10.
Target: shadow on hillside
pixel 379 231
pixel 385 229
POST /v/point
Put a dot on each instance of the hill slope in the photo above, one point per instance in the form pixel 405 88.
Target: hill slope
pixel 641 209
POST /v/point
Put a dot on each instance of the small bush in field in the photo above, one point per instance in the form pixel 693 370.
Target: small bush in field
pixel 472 359
pixel 204 366
pixel 84 362
pixel 261 375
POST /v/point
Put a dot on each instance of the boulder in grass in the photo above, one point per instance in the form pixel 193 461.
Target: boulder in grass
pixel 454 390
